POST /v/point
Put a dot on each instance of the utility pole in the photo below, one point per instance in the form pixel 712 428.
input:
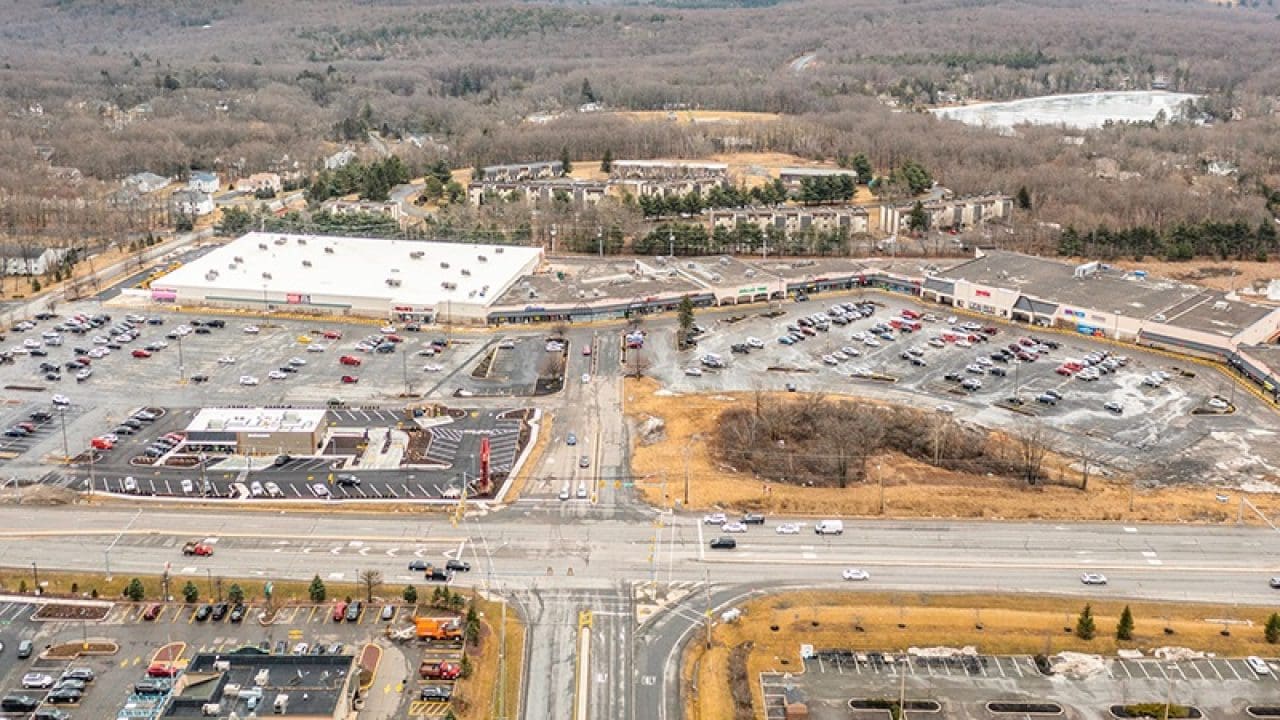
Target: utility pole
pixel 707 587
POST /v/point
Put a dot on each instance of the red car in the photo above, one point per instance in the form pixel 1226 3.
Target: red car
pixel 349 360
pixel 99 443
pixel 394 338
pixel 439 670
pixel 332 335
pixel 1064 370
pixel 159 670
pixel 83 360
pixel 350 379
pixel 142 353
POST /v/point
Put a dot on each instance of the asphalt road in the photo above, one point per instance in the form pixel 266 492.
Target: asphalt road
pixel 556 567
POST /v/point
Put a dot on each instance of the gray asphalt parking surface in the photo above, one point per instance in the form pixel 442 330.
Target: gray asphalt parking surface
pixel 1221 687
pixel 1157 425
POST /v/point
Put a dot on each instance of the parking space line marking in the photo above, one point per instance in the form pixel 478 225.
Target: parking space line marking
pixel 1016 669
pixel 1215 669
pixel 1231 667
pixel 1196 666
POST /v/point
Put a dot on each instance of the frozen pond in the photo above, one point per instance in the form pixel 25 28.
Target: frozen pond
pixel 1082 111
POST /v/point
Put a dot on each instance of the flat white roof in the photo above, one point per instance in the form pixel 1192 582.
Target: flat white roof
pixel 671 163
pixel 256 420
pixel 421 274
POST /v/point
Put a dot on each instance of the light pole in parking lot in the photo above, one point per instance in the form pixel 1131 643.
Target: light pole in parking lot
pixel 62 421
pixel 182 374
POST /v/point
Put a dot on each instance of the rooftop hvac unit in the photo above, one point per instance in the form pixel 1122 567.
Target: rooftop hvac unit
pixel 690 266
pixel 449 286
pixel 582 294
pixel 416 255
pixel 724 260
pixel 393 282
pixel 1221 305
pixel 329 249
pixel 281 241
pixel 266 276
pixel 211 709
pixel 238 258
pixel 750 272
pixel 302 241
pixel 471 294
pixel 211 275
pixel 222 665
pixel 466 272
pixel 262 677
pixel 497 251
pixel 306 263
pixel 482 258
pixel 715 277
pixel 262 246
pixel 395 270
pixel 532 294
pixel 444 266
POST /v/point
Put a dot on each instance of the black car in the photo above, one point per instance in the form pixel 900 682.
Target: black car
pixel 438 693
pixel 215 323
pixel 80 673
pixel 80 351
pixel 52 377
pixel 199 378
pixel 348 480
pixel 724 543
pixel 220 611
pixel 49 713
pixel 458 565
pixel 203 331
pixel 953 377
pixel 418 565
pixel 65 696
pixel 172 335
pixel 282 647
pixel 19 703
pixel 752 518
pixel 125 430
pixel 739 348
pixel 155 321
pixel 203 612
pixel 41 415
pixel 353 611
pixel 237 613
pixel 114 345
pixel 288 369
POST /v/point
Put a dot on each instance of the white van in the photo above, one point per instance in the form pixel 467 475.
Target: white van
pixel 829 527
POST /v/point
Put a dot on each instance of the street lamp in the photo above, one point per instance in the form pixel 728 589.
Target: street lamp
pixel 35 576
pixel 182 365
pixel 600 241
pixel 62 421
pixel 671 245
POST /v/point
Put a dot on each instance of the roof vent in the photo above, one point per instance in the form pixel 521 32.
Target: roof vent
pixel 466 272
pixel 393 282
pixel 238 259
pixel 329 250
pixel 266 276
pixel 416 255
pixel 444 266
pixel 281 241
pixel 302 241
pixel 482 258
pixel 306 263
pixel 262 246
pixel 497 251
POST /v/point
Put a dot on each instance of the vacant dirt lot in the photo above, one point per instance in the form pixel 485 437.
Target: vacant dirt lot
pixel 910 488
pixel 1010 625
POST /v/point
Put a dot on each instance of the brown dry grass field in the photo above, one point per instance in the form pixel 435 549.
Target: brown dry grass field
pixel 1021 625
pixel 911 488
pixel 699 116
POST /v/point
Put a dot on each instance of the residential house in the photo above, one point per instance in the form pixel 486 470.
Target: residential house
pixel 191 203
pixel 668 170
pixel 948 213
pixel 537 192
pixel 523 171
pixel 638 188
pixel 22 259
pixel 340 159
pixel 266 182
pixel 205 182
pixel 789 220
pixel 146 182
pixel 335 206
pixel 791 177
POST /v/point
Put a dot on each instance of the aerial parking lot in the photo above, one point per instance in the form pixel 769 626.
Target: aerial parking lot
pixel 1120 404
pixel 842 684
